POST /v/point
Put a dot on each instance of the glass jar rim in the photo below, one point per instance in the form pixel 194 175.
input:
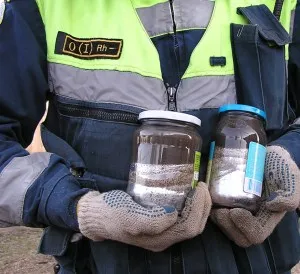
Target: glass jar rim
pixel 243 108
pixel 169 115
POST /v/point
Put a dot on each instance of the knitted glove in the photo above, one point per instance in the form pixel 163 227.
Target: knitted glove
pixel 283 180
pixel 282 183
pixel 114 215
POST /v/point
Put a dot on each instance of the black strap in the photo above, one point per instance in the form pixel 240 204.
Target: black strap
pixel 278 8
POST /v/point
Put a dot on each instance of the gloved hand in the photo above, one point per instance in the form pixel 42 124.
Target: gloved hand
pixel 114 215
pixel 282 185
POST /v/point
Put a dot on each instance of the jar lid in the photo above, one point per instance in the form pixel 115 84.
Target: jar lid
pixel 246 108
pixel 170 115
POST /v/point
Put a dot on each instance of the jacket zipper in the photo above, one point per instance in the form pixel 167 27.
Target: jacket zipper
pixel 172 103
pixel 171 90
pixel 98 114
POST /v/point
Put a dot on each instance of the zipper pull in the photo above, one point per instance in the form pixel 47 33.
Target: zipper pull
pixel 172 98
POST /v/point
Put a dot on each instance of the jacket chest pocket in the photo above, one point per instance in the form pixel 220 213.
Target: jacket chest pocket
pixel 260 65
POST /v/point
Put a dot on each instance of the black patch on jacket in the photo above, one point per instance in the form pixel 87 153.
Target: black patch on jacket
pixel 88 48
pixel 217 61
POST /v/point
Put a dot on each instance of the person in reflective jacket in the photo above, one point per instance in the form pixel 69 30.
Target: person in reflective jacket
pixel 97 62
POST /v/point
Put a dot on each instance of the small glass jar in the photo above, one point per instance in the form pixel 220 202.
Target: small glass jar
pixel 166 158
pixel 237 158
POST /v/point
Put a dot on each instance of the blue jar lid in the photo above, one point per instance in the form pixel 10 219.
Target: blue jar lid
pixel 245 108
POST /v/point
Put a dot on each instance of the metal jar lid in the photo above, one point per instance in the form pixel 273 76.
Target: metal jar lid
pixel 170 115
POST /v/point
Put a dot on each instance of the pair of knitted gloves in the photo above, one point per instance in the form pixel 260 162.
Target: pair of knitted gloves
pixel 114 215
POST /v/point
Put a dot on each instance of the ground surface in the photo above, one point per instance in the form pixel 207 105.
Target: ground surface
pixel 18 254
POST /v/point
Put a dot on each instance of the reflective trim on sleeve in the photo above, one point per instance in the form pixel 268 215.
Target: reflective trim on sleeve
pixel 15 180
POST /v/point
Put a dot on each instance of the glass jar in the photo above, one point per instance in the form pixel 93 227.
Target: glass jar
pixel 237 158
pixel 166 158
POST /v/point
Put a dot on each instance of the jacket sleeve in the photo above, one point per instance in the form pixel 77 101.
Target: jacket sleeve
pixel 291 139
pixel 35 189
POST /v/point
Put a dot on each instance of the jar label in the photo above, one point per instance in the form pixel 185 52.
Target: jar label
pixel 196 168
pixel 255 169
pixel 210 160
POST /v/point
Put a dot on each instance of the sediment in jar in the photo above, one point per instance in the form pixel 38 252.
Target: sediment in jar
pixel 164 185
pixel 228 177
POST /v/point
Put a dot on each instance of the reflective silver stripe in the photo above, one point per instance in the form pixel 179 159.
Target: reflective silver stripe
pixel 15 179
pixel 297 121
pixel 206 92
pixel 188 14
pixel 108 86
pixel 192 13
pixel 156 19
pixel 104 86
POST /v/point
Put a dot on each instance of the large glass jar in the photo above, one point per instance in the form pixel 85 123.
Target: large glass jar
pixel 237 158
pixel 166 158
